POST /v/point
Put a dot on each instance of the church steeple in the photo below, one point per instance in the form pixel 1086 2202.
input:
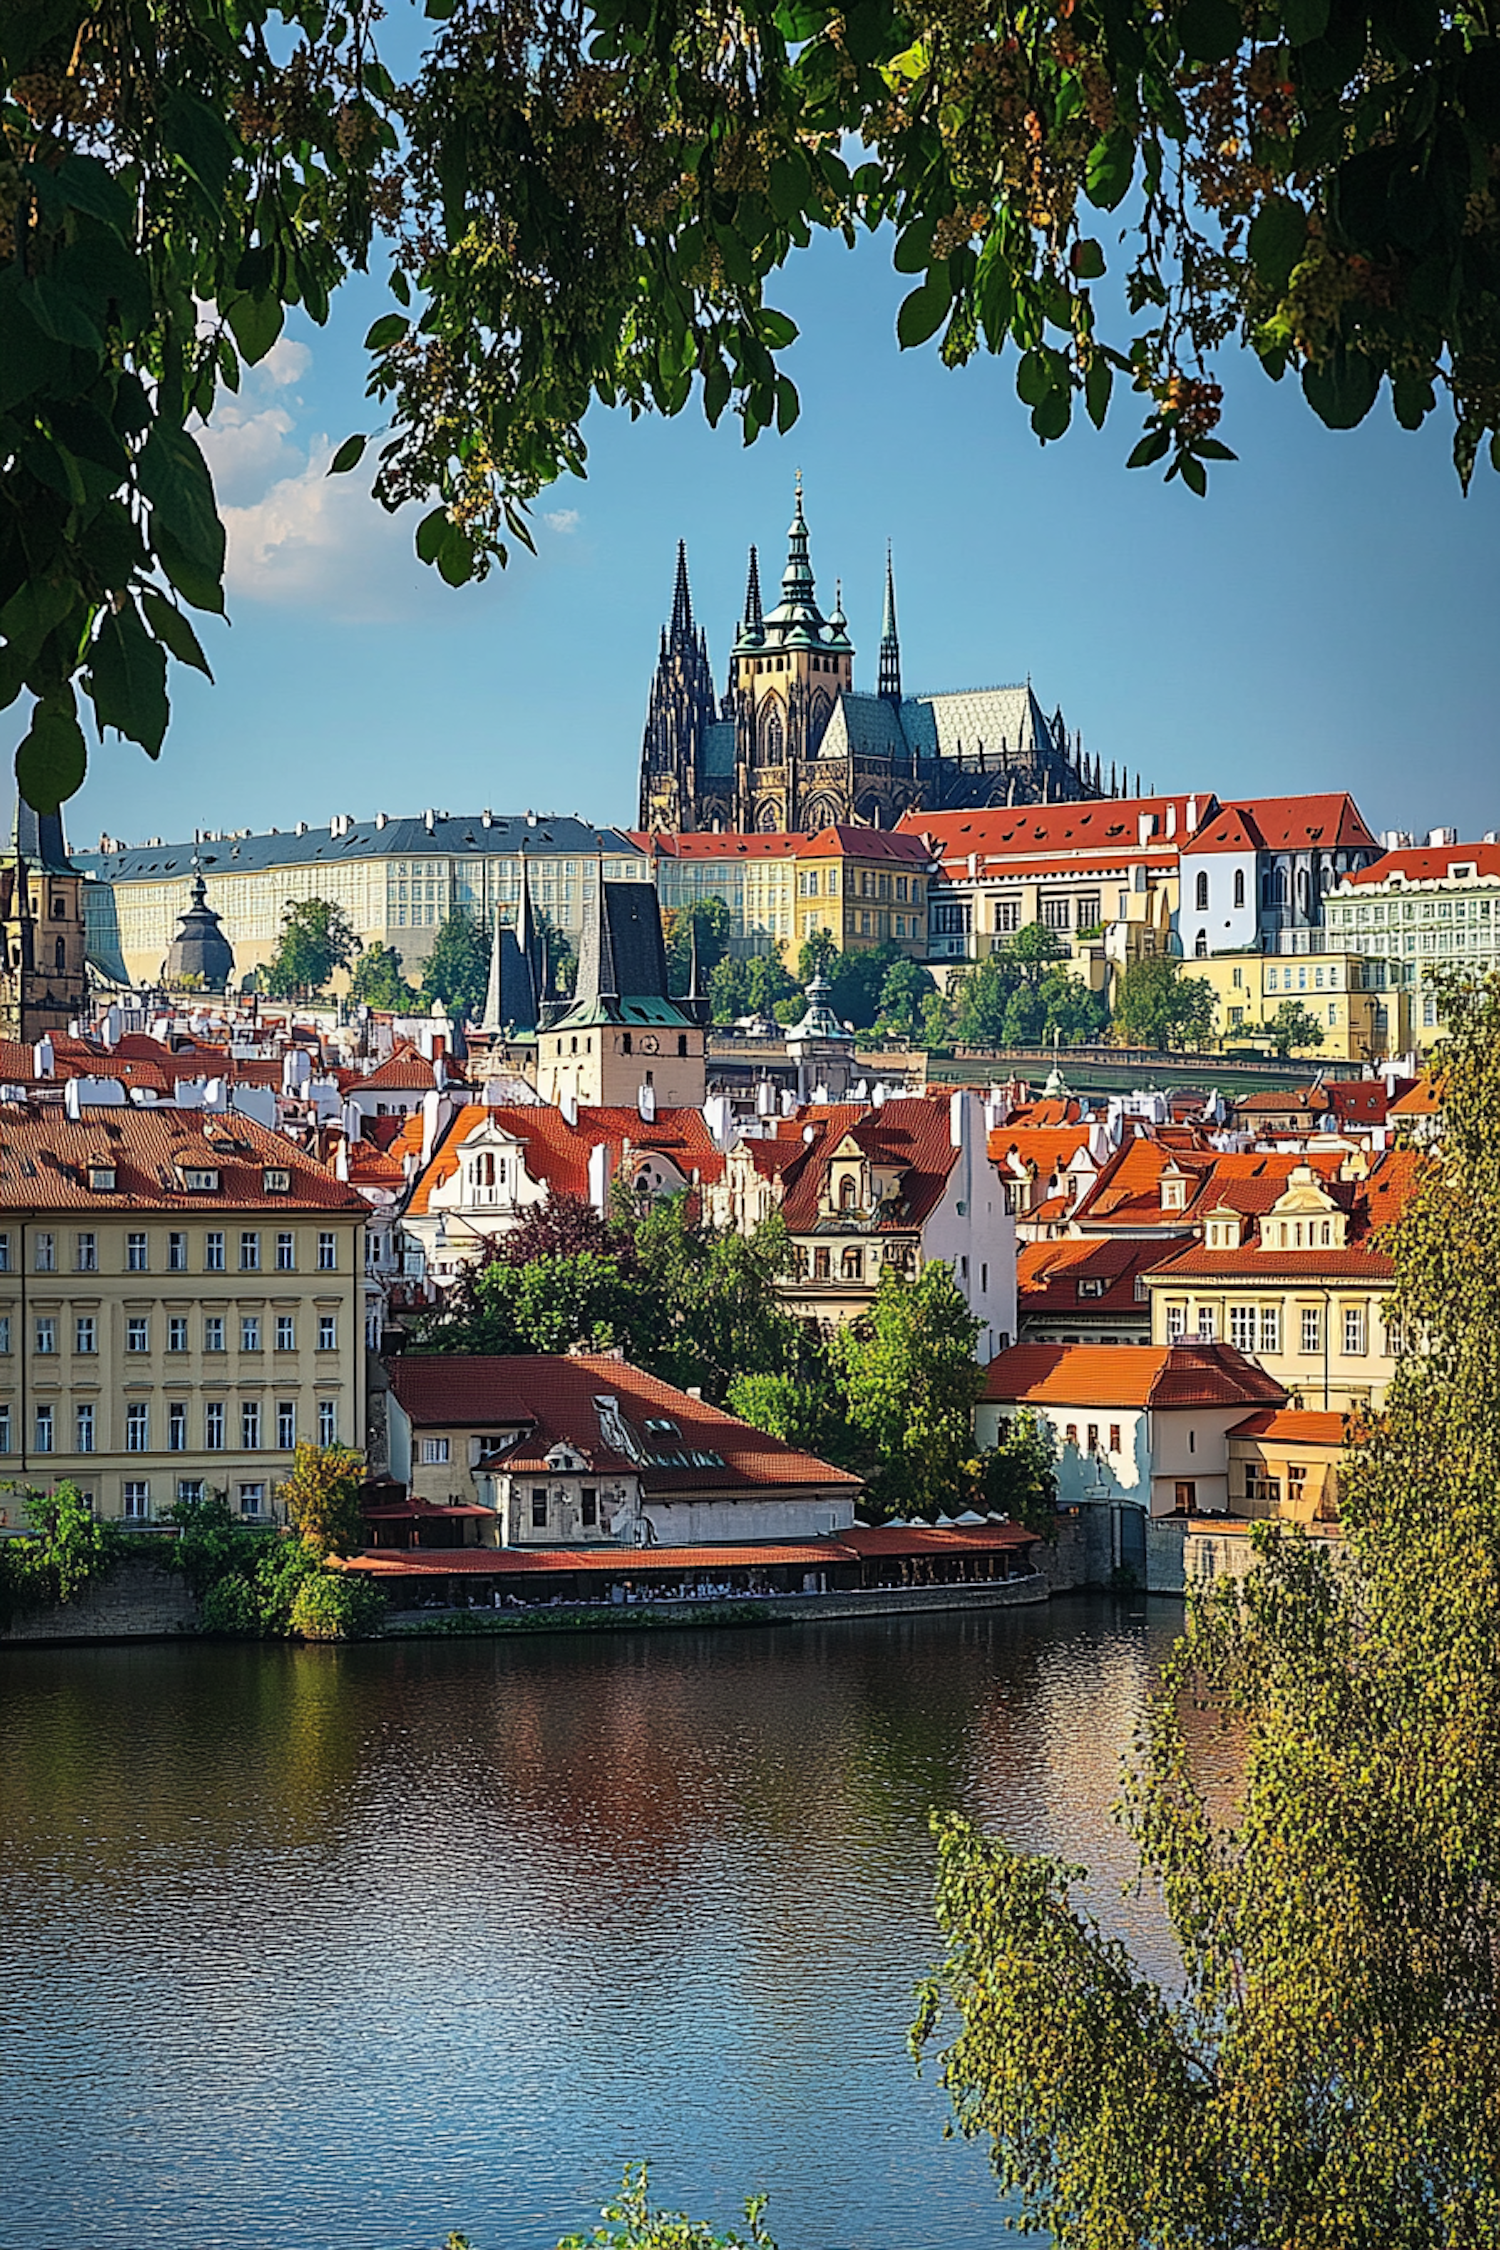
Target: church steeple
pixel 890 643
pixel 752 633
pixel 681 636
pixel 799 599
pixel 682 706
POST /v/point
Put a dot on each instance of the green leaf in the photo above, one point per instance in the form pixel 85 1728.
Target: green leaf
pixel 1210 449
pixel 1413 397
pixel 995 292
pixel 1304 20
pixel 199 137
pixel 388 330
pixel 923 312
pixel 1052 414
pixel 1097 385
pixel 171 627
pixel 60 315
pixel 1110 168
pixel 1151 448
pixel 1087 260
pixel 128 679
pixel 788 405
pixel 777 331
pixel 33 610
pixel 85 184
pixel 1194 475
pixel 716 387
pixel 456 557
pixel 203 588
pixel 173 474
pixel 53 759
pixel 1210 30
pixel 787 185
pixel 914 246
pixel 1034 378
pixel 348 456
pixel 1342 391
pixel 432 531
pixel 1278 234
pixel 256 323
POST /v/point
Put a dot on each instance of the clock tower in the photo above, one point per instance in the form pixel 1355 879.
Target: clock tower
pixel 623 1044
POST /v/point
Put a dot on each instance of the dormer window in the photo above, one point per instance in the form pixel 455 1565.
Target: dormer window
pixel 277 1180
pixel 848 1192
pixel 197 1179
pixel 1091 1286
pixel 1173 1194
pixel 102 1179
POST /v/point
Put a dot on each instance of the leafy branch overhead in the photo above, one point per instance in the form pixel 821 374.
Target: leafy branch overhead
pixel 589 204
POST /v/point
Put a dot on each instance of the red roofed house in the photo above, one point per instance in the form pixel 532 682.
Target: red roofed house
pixel 1422 910
pixel 1298 1281
pixel 1143 1432
pixel 864 1188
pixel 1256 873
pixel 1083 1290
pixel 493 1166
pixel 532 1451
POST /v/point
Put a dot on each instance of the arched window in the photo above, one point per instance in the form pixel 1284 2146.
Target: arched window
pixel 1201 892
pixel 772 737
pixel 1200 950
pixel 60 956
pixel 848 1192
pixel 1280 894
pixel 1239 886
pixel 853 1265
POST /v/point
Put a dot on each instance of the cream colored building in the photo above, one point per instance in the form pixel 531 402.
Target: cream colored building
pixel 1361 1013
pixel 1298 1289
pixel 755 876
pixel 397 880
pixel 181 1301
pixel 1422 911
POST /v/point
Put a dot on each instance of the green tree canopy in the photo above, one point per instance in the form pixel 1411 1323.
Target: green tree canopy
pixel 1158 1005
pixel 378 982
pixel 1323 2067
pixel 909 1381
pixel 316 938
pixel 903 999
pixel 457 970
pixel 857 979
pixel 709 917
pixel 1316 181
pixel 816 956
pixel 321 1497
pixel 1293 1025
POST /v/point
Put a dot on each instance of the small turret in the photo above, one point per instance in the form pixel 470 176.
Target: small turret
pixel 890 643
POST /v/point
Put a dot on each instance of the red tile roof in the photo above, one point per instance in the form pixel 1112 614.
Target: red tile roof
pixel 1331 822
pixel 1045 1148
pixel 912 1134
pixel 618 1562
pixel 874 1540
pixel 552 1400
pixel 1108 830
pixel 841 842
pixel 404 1070
pixel 1131 1376
pixel 1283 1426
pixel 1048 1274
pixel 723 844
pixel 558 1153
pixel 1430 865
pixel 45 1158
pixel 1196 1263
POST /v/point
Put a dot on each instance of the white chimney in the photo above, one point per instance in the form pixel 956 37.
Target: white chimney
pixel 72 1103
pixel 1171 819
pixel 568 1104
pixel 645 1102
pixel 957 1116
pixel 1143 827
pixel 43 1058
pixel 1192 816
pixel 599 1176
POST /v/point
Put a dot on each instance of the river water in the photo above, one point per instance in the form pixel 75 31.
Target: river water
pixel 316 1947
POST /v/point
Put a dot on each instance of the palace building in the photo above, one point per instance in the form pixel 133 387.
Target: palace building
pixel 793 745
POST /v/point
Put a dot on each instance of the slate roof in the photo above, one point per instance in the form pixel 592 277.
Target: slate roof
pixel 622 963
pixel 45 1158
pixel 1149 1375
pixel 719 748
pixel 460 836
pixel 40 840
pixel 553 1400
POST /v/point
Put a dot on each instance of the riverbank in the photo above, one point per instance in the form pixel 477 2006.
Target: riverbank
pixel 772 1609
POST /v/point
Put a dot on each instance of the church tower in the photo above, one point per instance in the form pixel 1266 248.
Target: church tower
pixel 43 980
pixel 680 709
pixel 788 671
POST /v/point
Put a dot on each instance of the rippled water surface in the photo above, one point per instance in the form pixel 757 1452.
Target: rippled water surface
pixel 348 1947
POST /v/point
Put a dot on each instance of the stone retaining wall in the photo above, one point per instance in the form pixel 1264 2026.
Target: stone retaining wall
pixel 138 1601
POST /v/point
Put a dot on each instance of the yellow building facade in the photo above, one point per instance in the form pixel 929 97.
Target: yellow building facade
pixel 1361 1014
pixel 181 1301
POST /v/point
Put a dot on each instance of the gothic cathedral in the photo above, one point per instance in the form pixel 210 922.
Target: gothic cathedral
pixel 794 746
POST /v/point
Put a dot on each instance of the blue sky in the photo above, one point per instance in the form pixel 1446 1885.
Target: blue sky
pixel 1326 619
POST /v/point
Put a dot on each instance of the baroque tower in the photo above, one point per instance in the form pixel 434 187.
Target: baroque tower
pixel 43 980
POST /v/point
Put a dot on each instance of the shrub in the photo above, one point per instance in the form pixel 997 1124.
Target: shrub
pixel 336 1606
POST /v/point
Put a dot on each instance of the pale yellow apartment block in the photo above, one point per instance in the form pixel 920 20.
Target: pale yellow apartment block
pixel 1351 997
pixel 181 1301
pixel 397 880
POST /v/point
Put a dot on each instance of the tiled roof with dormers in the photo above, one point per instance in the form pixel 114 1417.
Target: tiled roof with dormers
pixel 45 1157
pixel 1330 822
pixel 911 1135
pixel 557 1153
pixel 1048 1276
pixel 679 1443
pixel 1074 837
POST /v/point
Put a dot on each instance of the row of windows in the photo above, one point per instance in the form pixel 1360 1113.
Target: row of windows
pixel 1091 1438
pixel 1200 890
pixel 138 1333
pixel 1414 910
pixel 216 1425
pixel 137 1497
pixel 1258 1328
pixel 44 1252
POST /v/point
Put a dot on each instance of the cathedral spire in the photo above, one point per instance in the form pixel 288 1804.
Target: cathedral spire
pixel 682 602
pixel 890 643
pixel 797 579
pixel 753 624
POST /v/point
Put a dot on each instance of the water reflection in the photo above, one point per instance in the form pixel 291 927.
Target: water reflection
pixel 345 1947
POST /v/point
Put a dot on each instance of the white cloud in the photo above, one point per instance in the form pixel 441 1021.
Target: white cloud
pixel 562 521
pixel 285 362
pixel 321 541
